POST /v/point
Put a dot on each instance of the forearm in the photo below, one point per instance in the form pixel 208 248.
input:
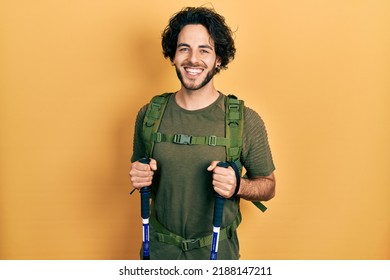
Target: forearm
pixel 258 188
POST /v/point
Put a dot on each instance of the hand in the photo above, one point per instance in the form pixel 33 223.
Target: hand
pixel 224 179
pixel 141 175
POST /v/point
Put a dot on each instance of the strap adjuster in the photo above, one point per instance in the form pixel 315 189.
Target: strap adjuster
pixel 212 141
pixel 155 105
pixel 182 139
pixel 190 244
pixel 158 137
pixel 234 106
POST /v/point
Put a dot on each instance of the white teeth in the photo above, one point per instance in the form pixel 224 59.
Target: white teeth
pixel 194 70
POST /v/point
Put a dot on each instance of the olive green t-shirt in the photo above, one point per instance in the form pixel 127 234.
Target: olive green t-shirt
pixel 183 196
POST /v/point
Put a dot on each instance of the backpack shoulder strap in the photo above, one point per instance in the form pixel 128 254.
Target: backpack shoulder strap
pixel 234 109
pixel 234 132
pixel 152 120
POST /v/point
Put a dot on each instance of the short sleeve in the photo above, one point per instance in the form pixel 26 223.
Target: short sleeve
pixel 256 153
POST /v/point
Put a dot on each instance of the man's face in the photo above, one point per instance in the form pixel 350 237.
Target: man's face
pixel 195 58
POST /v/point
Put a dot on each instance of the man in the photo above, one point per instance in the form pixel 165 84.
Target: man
pixel 184 178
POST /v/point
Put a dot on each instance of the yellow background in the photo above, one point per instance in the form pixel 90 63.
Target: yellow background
pixel 75 72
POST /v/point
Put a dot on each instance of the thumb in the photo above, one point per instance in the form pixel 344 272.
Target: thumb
pixel 212 165
pixel 153 164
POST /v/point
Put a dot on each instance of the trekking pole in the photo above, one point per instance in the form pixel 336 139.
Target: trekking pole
pixel 217 218
pixel 145 195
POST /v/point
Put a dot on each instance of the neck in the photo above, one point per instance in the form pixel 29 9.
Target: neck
pixel 196 99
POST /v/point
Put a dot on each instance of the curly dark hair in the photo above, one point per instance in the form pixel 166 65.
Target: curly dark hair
pixel 213 22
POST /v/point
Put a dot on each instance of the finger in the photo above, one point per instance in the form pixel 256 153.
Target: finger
pixel 139 182
pixel 141 185
pixel 223 171
pixel 225 186
pixel 222 178
pixel 153 164
pixel 141 175
pixel 140 166
pixel 223 190
pixel 134 173
pixel 212 165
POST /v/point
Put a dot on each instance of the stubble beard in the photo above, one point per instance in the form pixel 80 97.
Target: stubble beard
pixel 192 86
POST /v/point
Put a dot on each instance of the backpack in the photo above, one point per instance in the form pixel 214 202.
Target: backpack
pixel 234 119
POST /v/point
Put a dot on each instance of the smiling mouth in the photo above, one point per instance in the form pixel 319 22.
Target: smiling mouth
pixel 193 71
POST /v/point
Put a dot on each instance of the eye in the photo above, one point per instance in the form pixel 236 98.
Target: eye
pixel 204 51
pixel 183 49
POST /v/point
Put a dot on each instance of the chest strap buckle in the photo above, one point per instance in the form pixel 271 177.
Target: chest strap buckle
pixel 190 244
pixel 182 139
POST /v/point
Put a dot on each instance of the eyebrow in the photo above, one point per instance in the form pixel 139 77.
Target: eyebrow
pixel 200 46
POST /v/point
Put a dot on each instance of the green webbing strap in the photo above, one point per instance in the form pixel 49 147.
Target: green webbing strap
pixel 165 236
pixel 184 139
pixel 152 120
pixel 260 205
pixel 234 127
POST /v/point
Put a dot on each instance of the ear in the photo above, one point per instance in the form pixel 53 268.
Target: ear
pixel 218 61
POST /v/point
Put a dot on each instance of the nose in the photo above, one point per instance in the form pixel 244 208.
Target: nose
pixel 193 57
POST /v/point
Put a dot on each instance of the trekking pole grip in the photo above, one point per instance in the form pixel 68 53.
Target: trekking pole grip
pixel 219 201
pixel 218 210
pixel 145 192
